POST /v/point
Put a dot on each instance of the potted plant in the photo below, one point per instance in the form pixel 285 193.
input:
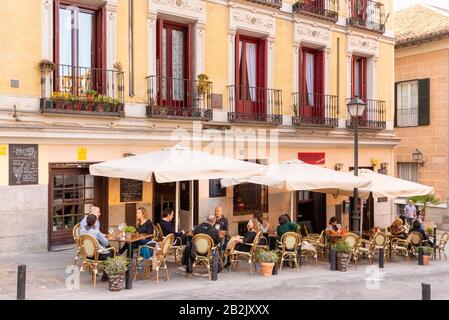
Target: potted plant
pixel 115 268
pixel 343 254
pixel 429 231
pixel 58 100
pixel 267 261
pixel 115 105
pixel 428 252
pixel 90 95
pixel 100 101
pixel 129 230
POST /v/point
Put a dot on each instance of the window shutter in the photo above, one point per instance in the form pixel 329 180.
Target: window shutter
pixel 100 49
pixel 363 73
pixel 56 43
pixel 353 78
pixel 424 102
pixel 396 105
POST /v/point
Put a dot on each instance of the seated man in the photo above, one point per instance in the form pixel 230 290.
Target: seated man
pixel 208 228
pixel 285 225
pixel 167 227
pixel 90 229
pixel 95 211
pixel 417 227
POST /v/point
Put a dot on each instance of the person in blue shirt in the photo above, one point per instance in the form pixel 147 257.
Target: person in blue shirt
pixel 95 211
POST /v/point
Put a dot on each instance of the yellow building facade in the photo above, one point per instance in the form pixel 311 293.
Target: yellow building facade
pixel 93 80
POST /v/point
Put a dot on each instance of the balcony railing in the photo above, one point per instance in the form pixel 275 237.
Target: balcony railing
pixel 270 3
pixel 407 117
pixel 252 104
pixel 69 89
pixel 179 98
pixel 323 9
pixel 373 118
pixel 313 109
pixel 366 14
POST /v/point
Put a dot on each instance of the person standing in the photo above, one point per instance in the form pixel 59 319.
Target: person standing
pixel 221 223
pixel 410 212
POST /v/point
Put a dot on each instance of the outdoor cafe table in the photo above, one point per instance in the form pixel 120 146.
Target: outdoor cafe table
pixel 134 238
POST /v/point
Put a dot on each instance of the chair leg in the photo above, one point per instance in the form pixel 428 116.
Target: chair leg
pixel 94 276
pixel 296 262
pixel 250 266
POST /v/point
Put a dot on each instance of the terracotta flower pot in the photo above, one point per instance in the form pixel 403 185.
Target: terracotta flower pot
pixel 90 97
pixel 267 269
pixel 426 260
pixel 116 282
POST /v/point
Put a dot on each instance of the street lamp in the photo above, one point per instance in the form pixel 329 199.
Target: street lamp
pixel 417 157
pixel 356 108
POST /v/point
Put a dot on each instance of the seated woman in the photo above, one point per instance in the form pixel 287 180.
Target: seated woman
pixel 238 242
pixel 333 227
pixel 285 225
pixel 417 226
pixel 398 229
pixel 91 230
pixel 144 225
pixel 262 224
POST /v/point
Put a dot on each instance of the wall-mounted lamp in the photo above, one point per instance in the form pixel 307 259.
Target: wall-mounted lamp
pixel 417 157
pixel 128 155
pixel 338 166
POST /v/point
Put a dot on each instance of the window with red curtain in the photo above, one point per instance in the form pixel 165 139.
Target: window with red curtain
pixel 251 73
pixel 79 46
pixel 311 75
pixel 359 77
pixel 174 61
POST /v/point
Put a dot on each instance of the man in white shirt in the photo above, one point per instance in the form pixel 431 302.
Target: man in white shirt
pixel 95 211
pixel 410 212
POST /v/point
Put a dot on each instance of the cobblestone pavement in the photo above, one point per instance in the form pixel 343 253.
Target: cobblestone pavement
pixel 46 279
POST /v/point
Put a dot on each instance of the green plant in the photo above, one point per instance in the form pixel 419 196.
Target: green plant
pixel 91 92
pixel 116 266
pixel 428 250
pixel 424 201
pixel 429 230
pixel 129 229
pixel 203 83
pixel 266 256
pixel 342 247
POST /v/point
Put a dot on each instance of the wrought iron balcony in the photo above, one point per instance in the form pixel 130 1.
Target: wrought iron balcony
pixel 313 109
pixel 322 9
pixel 69 89
pixel 366 14
pixel 179 98
pixel 270 3
pixel 252 104
pixel 373 118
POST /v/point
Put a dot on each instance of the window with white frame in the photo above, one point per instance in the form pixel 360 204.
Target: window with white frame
pixel 408 171
pixel 407 104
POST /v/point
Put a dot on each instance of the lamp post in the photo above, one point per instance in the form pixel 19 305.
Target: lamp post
pixel 356 108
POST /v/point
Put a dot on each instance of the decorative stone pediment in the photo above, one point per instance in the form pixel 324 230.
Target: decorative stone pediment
pixel 252 20
pixel 314 34
pixel 192 9
pixel 363 45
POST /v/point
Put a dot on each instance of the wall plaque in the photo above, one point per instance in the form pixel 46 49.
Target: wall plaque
pixel 23 164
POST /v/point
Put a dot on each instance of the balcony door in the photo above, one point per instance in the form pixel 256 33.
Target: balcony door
pixel 359 9
pixel 315 3
pixel 312 83
pixel 79 49
pixel 173 65
pixel 359 71
pixel 251 75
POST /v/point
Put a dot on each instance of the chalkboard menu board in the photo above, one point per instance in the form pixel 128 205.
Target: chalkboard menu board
pixel 215 189
pixel 23 164
pixel 130 190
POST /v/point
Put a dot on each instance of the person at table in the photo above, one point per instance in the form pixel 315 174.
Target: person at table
pixel 144 226
pixel 238 242
pixel 167 226
pixel 95 211
pixel 208 228
pixel 91 230
pixel 397 228
pixel 410 212
pixel 417 227
pixel 285 225
pixel 221 222
pixel 333 227
pixel 263 225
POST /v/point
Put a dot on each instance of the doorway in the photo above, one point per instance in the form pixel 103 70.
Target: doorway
pixel 311 210
pixel 72 191
pixel 165 197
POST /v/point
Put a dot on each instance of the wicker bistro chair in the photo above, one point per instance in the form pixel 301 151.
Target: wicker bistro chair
pixel 415 242
pixel 309 235
pixel 379 240
pixel 90 251
pixel 236 256
pixel 177 250
pixel 352 240
pixel 441 245
pixel 289 246
pixel 310 249
pixel 76 238
pixel 319 243
pixel 401 246
pixel 158 259
pixel 204 247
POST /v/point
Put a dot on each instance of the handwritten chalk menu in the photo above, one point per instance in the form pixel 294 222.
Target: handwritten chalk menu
pixel 23 164
pixel 130 190
pixel 215 189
